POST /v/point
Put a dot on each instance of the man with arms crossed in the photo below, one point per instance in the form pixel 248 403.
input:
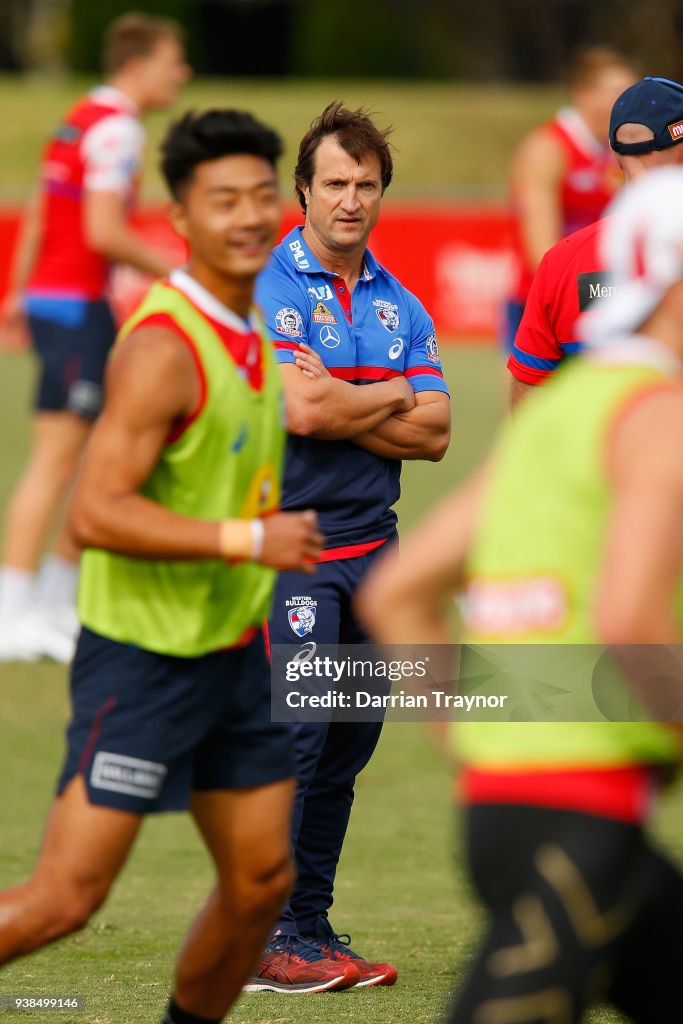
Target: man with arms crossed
pixel 581 907
pixel 77 227
pixel 176 506
pixel 645 132
pixel 364 389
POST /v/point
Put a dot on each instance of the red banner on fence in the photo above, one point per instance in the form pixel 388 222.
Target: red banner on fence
pixel 456 258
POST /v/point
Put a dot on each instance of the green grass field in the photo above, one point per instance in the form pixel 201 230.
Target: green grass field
pixel 451 139
pixel 401 891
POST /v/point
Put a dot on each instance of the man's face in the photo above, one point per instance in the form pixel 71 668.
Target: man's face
pixel 230 215
pixel 343 200
pixel 162 73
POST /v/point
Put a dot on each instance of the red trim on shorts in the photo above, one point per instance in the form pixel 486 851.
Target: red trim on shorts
pixel 246 638
pixel 167 321
pixel 93 735
pixel 362 372
pixel 624 793
pixel 350 551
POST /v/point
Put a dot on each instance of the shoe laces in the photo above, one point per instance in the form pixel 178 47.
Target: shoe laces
pixel 340 943
pixel 294 945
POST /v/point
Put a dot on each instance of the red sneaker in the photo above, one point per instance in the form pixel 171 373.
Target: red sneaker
pixel 290 964
pixel 337 947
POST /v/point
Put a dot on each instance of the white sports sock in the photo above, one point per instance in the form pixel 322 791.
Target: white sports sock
pixel 16 593
pixel 57 582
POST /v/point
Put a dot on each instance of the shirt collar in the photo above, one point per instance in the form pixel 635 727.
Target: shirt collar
pixel 303 260
pixel 208 303
pixel 577 129
pixel 110 96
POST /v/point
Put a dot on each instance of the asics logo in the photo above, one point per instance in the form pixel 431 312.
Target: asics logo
pixel 396 349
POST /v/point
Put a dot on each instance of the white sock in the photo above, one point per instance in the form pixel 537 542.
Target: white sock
pixel 57 582
pixel 16 593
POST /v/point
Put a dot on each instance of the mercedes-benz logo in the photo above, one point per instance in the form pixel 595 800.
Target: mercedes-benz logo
pixel 329 337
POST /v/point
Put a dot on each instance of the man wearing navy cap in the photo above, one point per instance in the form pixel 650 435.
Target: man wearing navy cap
pixel 646 127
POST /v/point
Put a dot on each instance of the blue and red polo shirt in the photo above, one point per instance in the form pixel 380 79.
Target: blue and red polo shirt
pixel 378 331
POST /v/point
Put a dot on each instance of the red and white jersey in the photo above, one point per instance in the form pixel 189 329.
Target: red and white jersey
pixel 98 147
pixel 591 177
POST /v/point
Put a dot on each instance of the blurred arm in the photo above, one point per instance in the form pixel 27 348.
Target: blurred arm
pixel 519 390
pixel 536 176
pixel 107 232
pixel 643 558
pixel 13 329
pixel 151 383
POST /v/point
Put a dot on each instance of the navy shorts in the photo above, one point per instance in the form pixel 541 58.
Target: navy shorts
pixel 147 729
pixel 72 339
pixel 320 607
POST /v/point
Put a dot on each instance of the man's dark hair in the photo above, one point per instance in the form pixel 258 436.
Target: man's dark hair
pixel 355 133
pixel 196 138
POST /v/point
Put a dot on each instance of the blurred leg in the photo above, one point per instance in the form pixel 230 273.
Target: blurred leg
pixel 84 849
pixel 58 440
pixel 247 833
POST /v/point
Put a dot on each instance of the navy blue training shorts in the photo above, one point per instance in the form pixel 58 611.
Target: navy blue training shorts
pixel 320 607
pixel 72 339
pixel 148 728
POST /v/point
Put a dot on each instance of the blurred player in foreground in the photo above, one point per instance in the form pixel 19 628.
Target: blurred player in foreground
pixel 581 906
pixel 645 133
pixel 170 682
pixel 76 228
pixel 364 389
pixel 563 173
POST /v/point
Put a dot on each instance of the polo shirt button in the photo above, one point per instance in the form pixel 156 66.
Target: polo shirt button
pixel 340 289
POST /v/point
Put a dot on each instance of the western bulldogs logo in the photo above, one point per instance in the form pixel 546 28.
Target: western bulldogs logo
pixel 288 321
pixel 432 349
pixel 301 613
pixel 388 318
pixel 387 314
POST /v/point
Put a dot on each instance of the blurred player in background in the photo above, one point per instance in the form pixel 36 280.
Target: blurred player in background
pixel 644 133
pixel 563 173
pixel 170 682
pixel 77 227
pixel 581 907
pixel 364 389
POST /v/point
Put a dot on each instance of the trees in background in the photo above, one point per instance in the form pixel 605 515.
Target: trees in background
pixel 490 39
